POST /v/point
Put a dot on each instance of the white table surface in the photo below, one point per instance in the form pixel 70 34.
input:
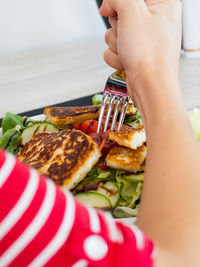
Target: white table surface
pixel 48 76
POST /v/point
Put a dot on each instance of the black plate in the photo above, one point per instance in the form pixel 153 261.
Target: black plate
pixel 83 101
pixel 99 3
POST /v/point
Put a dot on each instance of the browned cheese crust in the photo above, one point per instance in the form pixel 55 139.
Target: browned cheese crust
pixel 127 159
pixel 65 116
pixel 126 132
pixel 129 137
pixel 66 156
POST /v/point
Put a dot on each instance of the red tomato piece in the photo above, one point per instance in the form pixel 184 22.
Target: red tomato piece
pixel 76 126
pixel 107 147
pixel 100 138
pixel 102 165
pixel 87 127
pixel 96 137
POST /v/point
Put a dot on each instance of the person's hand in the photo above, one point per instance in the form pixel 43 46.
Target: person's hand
pixel 145 35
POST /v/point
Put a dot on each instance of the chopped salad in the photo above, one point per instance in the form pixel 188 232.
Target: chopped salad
pixel 116 190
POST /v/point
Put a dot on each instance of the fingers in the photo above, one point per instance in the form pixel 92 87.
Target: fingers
pixel 105 10
pixel 117 5
pixel 111 41
pixel 112 59
pixel 113 24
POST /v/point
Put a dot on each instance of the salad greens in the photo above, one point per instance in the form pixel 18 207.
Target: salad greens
pixel 10 139
pixel 97 99
pixel 101 174
pixel 130 190
pixel 194 116
pixel 119 188
pixel 17 131
pixel 12 127
pixel 126 189
pixel 125 212
pixel 11 120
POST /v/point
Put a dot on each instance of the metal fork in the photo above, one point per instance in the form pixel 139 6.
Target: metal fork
pixel 115 93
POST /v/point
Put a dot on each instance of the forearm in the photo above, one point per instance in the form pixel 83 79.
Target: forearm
pixel 172 177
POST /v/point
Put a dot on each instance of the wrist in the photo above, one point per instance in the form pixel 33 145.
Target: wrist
pixel 156 92
pixel 148 72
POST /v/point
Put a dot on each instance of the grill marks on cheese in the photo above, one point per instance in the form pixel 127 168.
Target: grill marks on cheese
pixel 65 116
pixel 131 153
pixel 66 156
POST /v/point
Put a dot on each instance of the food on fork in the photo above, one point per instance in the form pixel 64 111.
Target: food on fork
pixel 64 117
pixel 129 137
pixel 127 159
pixel 65 156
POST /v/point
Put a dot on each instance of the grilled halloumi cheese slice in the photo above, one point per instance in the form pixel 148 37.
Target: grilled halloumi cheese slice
pixel 65 156
pixel 127 159
pixel 65 116
pixel 129 137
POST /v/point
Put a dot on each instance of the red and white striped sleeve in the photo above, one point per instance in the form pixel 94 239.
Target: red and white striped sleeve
pixel 42 226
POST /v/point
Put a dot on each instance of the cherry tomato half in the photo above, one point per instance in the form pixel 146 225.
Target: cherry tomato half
pixel 102 165
pixel 88 127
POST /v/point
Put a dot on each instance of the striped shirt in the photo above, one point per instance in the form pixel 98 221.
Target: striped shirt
pixel 40 225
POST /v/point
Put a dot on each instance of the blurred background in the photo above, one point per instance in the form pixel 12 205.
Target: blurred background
pixel 33 24
pixel 46 44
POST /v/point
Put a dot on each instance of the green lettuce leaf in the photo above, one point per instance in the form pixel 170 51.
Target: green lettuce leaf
pixel 97 99
pixel 10 139
pixel 132 118
pixel 109 174
pixel 93 173
pixel 135 124
pixel 130 191
pixel 194 116
pixel 10 121
pixel 125 212
pixel 136 196
pixel 138 177
pixel 12 126
pixel 101 174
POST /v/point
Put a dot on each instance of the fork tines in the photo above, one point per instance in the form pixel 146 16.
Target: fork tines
pixel 115 99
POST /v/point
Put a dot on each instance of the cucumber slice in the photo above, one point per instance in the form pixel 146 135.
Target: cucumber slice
pixel 135 177
pixel 107 188
pixel 36 128
pixel 94 200
pixel 111 191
